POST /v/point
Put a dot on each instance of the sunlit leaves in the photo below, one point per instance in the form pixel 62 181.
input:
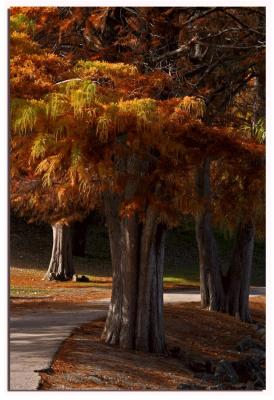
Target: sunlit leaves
pixel 102 68
pixel 195 106
pixel 24 117
pixel 142 109
pixel 255 130
pixel 48 167
pixel 40 146
pixel 82 97
pixel 21 23
pixel 102 129
pixel 55 105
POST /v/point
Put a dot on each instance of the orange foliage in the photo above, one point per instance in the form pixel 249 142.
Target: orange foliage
pixel 112 127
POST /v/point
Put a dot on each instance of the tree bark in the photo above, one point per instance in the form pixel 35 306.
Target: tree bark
pixel 211 288
pixel 239 273
pixel 61 266
pixel 135 316
pixel 228 294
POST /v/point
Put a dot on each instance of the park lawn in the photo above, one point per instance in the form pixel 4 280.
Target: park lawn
pixel 83 362
pixel 28 290
pixel 30 251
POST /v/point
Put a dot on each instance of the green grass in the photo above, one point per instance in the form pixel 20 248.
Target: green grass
pixel 30 247
pixel 29 292
pixel 181 281
pixel 182 262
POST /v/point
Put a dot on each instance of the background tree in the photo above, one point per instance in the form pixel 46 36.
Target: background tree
pixel 45 188
pixel 35 128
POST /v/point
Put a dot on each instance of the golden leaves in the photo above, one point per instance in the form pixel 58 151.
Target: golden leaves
pixel 102 129
pixel 26 118
pixel 102 68
pixel 40 146
pixel 195 106
pixel 48 167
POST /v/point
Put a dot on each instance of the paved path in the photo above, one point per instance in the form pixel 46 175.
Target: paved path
pixel 194 295
pixel 188 295
pixel 34 339
pixel 35 336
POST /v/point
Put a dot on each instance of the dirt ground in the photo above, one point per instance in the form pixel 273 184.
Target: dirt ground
pixel 83 362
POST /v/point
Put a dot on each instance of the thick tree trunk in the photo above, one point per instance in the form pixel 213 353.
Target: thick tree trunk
pixel 150 325
pixel 135 316
pixel 239 274
pixel 79 234
pixel 211 288
pixel 61 267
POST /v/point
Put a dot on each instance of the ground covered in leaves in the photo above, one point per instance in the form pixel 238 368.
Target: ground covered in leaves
pixel 197 341
pixel 28 290
pixel 83 362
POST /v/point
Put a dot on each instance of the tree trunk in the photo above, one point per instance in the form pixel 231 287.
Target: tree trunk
pixel 61 267
pixel 135 316
pixel 211 288
pixel 79 234
pixel 239 274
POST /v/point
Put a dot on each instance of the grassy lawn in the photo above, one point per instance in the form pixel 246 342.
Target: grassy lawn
pixel 30 251
pixel 181 261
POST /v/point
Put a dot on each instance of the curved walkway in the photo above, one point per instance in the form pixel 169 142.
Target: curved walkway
pixel 35 336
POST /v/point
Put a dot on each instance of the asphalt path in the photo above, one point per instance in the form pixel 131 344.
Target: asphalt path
pixel 36 335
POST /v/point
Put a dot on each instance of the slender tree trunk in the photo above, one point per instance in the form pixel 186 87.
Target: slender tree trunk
pixel 60 267
pixel 211 288
pixel 239 274
pixel 135 316
pixel 79 234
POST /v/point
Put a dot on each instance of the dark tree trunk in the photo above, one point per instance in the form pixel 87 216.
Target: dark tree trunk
pixel 61 267
pixel 135 316
pixel 211 288
pixel 239 274
pixel 228 294
pixel 79 234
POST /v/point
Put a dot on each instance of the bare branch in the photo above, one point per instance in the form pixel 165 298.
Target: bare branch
pixel 194 18
pixel 182 49
pixel 242 23
pixel 68 80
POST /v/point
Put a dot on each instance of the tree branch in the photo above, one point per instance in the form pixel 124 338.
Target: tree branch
pixel 194 18
pixel 242 23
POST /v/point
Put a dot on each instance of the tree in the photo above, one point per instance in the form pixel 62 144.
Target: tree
pixel 144 148
pixel 235 200
pixel 139 147
pixel 35 127
pixel 55 201
pixel 214 294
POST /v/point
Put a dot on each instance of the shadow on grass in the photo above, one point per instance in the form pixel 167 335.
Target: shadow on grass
pixel 30 247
